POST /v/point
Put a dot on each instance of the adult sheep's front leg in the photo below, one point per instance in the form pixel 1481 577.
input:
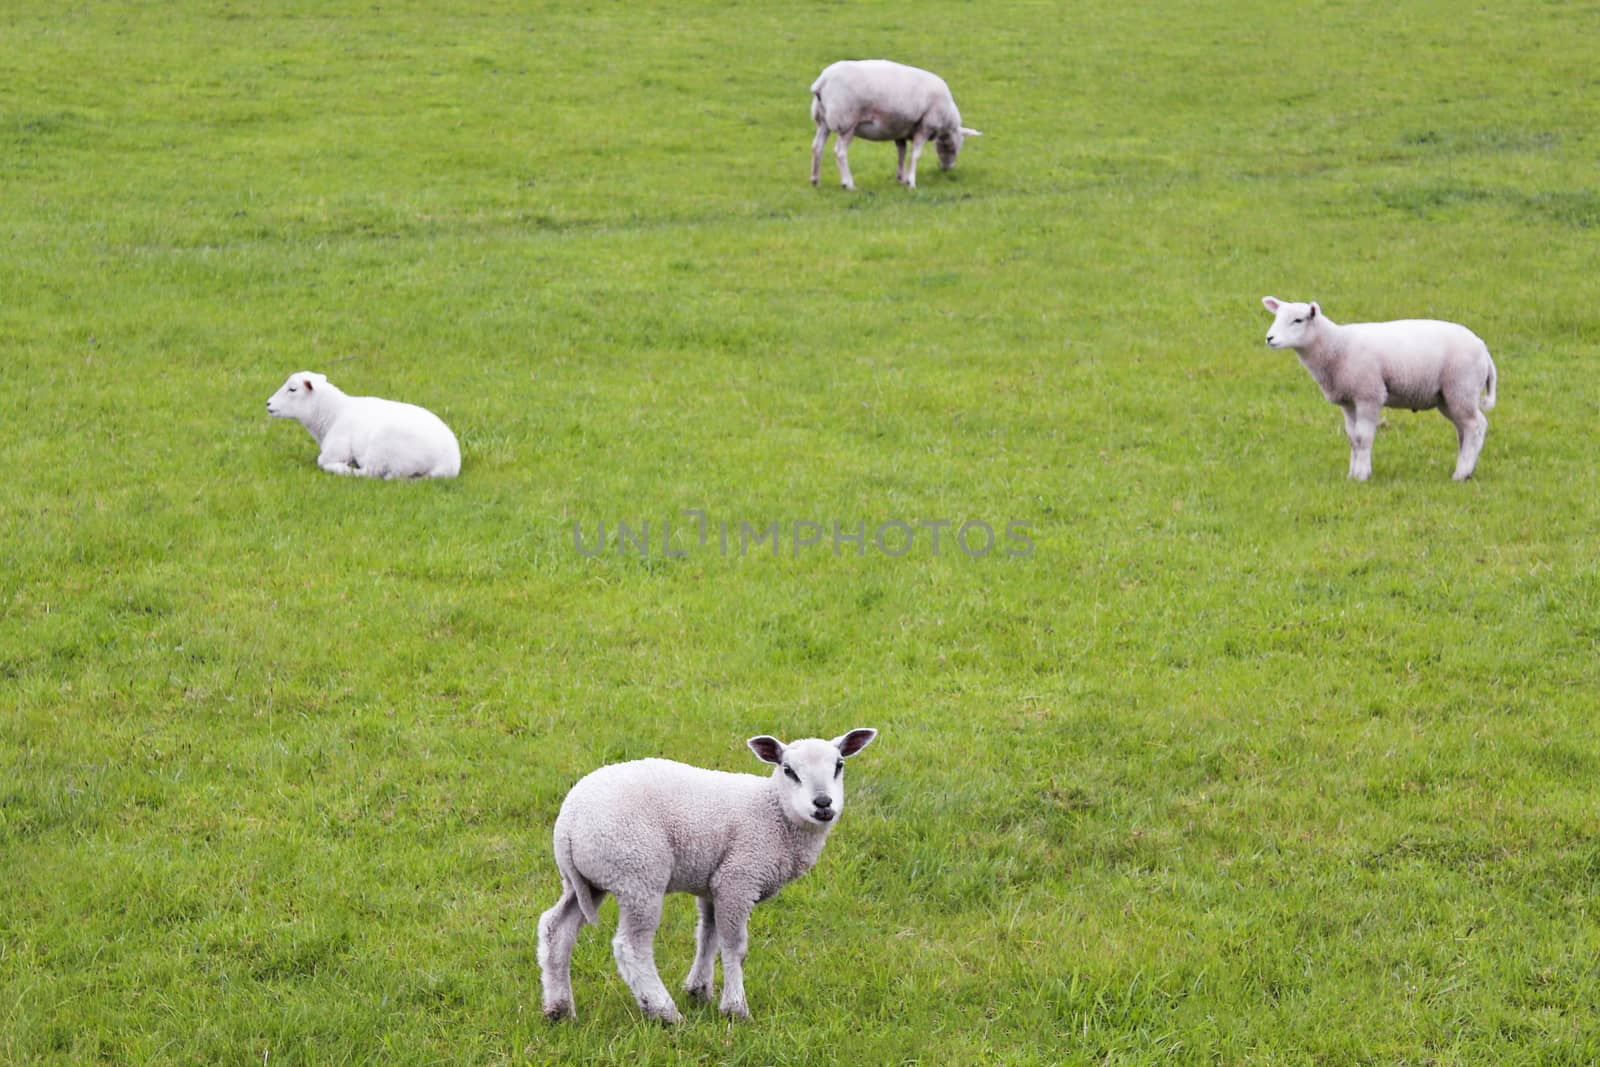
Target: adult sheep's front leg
pixel 701 981
pixel 733 918
pixel 919 140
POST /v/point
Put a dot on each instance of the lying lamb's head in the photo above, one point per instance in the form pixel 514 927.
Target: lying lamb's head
pixel 810 773
pixel 297 396
pixel 948 145
pixel 1292 324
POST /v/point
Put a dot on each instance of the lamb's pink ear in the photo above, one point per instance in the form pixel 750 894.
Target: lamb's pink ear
pixel 767 749
pixel 854 741
pixel 1271 302
pixel 1314 310
pixel 307 383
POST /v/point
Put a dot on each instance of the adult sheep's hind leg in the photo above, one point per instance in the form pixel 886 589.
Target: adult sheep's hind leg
pixel 638 915
pixel 841 152
pixel 701 983
pixel 817 144
pixel 900 161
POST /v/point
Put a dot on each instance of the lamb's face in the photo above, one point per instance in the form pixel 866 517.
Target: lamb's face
pixel 1291 323
pixel 810 773
pixel 297 396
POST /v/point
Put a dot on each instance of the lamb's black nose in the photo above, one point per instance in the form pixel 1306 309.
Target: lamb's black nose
pixel 1269 338
pixel 823 801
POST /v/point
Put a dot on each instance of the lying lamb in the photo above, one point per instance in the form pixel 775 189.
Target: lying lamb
pixel 642 829
pixel 1409 363
pixel 884 101
pixel 365 435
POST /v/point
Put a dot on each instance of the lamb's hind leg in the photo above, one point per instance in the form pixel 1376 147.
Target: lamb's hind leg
pixel 841 152
pixel 558 932
pixel 701 983
pixel 1472 426
pixel 638 915
pixel 900 161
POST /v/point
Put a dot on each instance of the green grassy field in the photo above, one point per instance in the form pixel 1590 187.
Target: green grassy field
pixel 1244 763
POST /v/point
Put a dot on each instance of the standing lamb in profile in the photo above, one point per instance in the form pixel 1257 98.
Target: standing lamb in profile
pixel 1409 363
pixel 884 101
pixel 642 829
pixel 367 436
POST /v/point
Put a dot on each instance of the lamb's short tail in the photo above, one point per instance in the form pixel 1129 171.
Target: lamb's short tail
pixel 1488 399
pixel 576 883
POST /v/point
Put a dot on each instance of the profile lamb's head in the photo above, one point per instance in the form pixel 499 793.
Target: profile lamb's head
pixel 1292 322
pixel 297 396
pixel 810 773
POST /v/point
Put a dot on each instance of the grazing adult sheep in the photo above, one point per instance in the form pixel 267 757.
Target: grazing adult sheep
pixel 365 435
pixel 880 100
pixel 1410 363
pixel 642 829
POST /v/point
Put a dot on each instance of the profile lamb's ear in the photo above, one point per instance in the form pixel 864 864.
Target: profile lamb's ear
pixel 307 383
pixel 854 741
pixel 968 131
pixel 1315 311
pixel 1270 302
pixel 767 749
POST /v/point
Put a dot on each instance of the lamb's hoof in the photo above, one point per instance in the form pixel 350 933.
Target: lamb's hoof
pixel 664 1013
pixel 702 993
pixel 559 1010
pixel 736 1011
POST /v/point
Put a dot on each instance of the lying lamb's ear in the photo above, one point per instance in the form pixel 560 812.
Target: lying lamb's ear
pixel 307 383
pixel 1271 302
pixel 967 131
pixel 854 741
pixel 1314 310
pixel 767 749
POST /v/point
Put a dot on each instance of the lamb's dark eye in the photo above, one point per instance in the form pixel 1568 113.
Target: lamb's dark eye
pixel 793 777
pixel 838 768
pixel 1297 322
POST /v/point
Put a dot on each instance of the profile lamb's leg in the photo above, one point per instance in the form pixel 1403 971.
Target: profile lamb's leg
pixel 701 983
pixel 816 153
pixel 900 161
pixel 918 141
pixel 732 917
pixel 1361 424
pixel 1471 428
pixel 635 949
pixel 558 932
pixel 841 152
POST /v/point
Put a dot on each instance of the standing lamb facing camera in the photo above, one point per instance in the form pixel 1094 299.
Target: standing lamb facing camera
pixel 646 828
pixel 880 100
pixel 365 435
pixel 1409 363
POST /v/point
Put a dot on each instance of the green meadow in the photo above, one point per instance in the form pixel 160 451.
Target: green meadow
pixel 1236 761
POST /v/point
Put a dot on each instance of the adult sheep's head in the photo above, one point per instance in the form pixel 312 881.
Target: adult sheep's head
pixel 296 397
pixel 948 145
pixel 810 773
pixel 1292 323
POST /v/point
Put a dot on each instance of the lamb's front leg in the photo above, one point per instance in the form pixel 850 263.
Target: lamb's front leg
pixel 1361 425
pixel 701 983
pixel 732 917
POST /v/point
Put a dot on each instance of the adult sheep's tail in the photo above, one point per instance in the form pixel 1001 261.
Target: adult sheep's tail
pixel 576 883
pixel 1488 399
